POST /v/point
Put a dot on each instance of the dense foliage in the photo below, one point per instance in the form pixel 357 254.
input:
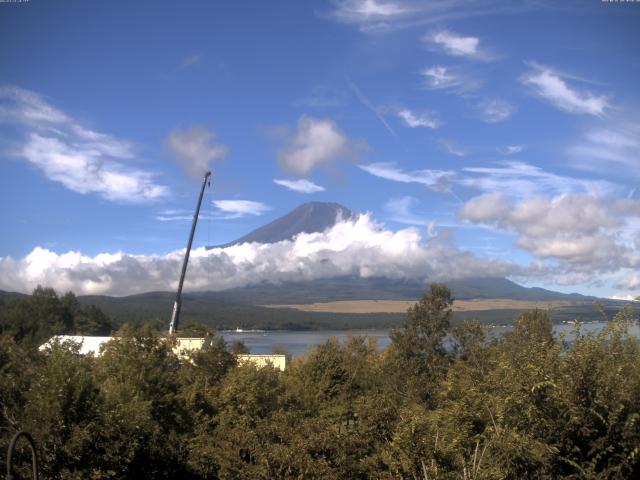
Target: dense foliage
pixel 35 318
pixel 523 406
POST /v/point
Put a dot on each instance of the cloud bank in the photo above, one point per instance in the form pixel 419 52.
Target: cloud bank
pixel 357 246
pixel 586 232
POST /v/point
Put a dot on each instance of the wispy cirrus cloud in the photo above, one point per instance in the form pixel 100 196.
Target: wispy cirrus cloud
pixel 451 147
pixel 401 210
pixel 232 209
pixel 415 120
pixel 380 16
pixel 512 178
pixel 224 210
pixel 439 77
pixel 510 149
pixel 553 86
pixel 81 159
pixel 435 179
pixel 369 15
pixel 609 151
pixel 495 110
pixel 520 179
pixel 177 215
pixel 301 185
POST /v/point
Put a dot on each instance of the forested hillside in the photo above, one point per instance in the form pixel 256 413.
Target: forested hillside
pixel 244 307
pixel 522 406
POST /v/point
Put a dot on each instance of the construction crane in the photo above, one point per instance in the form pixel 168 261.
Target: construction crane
pixel 175 316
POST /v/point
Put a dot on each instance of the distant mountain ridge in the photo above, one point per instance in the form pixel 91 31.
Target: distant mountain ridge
pixel 309 217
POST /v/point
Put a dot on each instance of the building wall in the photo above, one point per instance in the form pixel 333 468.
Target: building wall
pixel 91 345
pixel 278 361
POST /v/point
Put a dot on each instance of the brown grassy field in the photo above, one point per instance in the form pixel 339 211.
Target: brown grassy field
pixel 400 306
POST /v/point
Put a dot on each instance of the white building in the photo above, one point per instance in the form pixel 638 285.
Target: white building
pixel 93 346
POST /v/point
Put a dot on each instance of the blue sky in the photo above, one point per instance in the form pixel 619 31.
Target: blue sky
pixel 506 134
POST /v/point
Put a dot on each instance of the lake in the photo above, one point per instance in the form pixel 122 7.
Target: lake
pixel 297 343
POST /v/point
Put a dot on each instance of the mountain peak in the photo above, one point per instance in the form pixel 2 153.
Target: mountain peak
pixel 310 217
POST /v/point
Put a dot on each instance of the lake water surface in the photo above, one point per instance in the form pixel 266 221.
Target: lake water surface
pixel 297 343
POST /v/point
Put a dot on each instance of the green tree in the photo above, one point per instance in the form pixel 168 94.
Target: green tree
pixel 144 419
pixel 417 356
pixel 60 411
pixel 90 320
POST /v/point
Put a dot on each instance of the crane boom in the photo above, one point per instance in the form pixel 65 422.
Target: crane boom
pixel 175 316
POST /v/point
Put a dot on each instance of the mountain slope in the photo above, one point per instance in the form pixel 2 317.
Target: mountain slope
pixel 307 218
pixel 380 288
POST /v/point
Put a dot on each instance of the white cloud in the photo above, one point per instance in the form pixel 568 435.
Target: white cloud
pixel 302 185
pixel 495 110
pixel 317 142
pixel 552 86
pixel 435 179
pixel 439 77
pixel 510 149
pixel 195 150
pixel 628 298
pixel 485 208
pixel 86 171
pixel 83 160
pixel 358 247
pixel 229 209
pixel 415 120
pixel 374 8
pixel 454 44
pixel 176 217
pixel 579 230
